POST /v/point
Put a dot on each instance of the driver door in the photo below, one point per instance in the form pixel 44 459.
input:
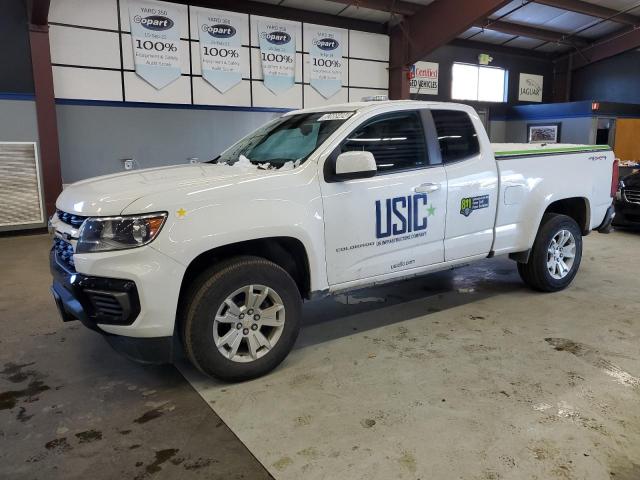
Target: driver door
pixel 395 220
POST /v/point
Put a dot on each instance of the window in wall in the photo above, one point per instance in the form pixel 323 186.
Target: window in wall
pixel 396 141
pixel 479 83
pixel 456 135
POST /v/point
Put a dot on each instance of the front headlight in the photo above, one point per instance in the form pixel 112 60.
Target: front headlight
pixel 103 234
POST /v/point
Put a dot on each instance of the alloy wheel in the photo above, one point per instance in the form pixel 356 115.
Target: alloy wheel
pixel 249 323
pixel 561 254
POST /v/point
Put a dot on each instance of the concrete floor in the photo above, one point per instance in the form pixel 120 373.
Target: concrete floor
pixel 71 408
pixel 463 374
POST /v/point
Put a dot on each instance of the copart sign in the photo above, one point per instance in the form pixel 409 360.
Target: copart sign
pixel 326 60
pixel 221 51
pixel 278 54
pixel 155 33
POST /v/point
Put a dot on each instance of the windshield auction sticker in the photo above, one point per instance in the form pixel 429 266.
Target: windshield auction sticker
pixel 278 54
pixel 155 33
pixel 326 60
pixel 221 49
pixel 335 116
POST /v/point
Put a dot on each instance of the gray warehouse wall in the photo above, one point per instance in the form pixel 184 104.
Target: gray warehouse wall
pixel 498 131
pixel 95 139
pixel 573 130
pixel 18 121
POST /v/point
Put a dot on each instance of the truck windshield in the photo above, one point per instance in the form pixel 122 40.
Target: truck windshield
pixel 285 142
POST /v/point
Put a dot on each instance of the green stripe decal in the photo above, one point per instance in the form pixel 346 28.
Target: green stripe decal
pixel 542 151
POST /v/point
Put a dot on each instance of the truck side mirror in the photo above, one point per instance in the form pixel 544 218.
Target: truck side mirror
pixel 356 164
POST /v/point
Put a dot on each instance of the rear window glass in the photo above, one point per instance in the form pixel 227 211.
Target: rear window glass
pixel 456 135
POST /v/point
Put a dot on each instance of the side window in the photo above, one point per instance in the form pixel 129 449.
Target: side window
pixel 456 135
pixel 396 140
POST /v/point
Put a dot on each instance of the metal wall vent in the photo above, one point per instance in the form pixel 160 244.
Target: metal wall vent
pixel 20 189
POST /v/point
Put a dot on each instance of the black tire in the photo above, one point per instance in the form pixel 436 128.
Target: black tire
pixel 207 293
pixel 535 273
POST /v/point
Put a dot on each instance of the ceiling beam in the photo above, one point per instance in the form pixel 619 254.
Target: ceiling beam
pixel 592 10
pixel 38 11
pixel 600 50
pixel 288 13
pixel 391 6
pixel 532 32
pixel 440 22
pixel 432 26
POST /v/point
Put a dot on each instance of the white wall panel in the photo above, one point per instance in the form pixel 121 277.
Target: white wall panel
pixel 307 70
pixel 184 22
pixel 88 13
pixel 307 32
pixel 98 49
pixel 263 97
pixel 369 45
pixel 256 65
pixel 363 73
pixel 84 83
pixel 194 24
pixel 138 90
pixel 313 99
pixel 127 54
pixel 255 41
pixel 205 94
pixel 197 66
pixel 79 46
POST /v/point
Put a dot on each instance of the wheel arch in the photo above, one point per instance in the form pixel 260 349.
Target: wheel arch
pixel 287 252
pixel 577 208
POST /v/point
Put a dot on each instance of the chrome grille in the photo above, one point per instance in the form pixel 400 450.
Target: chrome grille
pixel 632 196
pixel 71 219
pixel 64 253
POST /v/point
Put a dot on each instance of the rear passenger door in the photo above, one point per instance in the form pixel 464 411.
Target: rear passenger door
pixel 472 179
pixel 393 221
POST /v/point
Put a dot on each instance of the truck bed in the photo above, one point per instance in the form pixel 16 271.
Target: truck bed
pixel 531 174
pixel 502 150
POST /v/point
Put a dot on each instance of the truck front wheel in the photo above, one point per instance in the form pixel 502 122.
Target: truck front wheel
pixel 241 318
pixel 556 254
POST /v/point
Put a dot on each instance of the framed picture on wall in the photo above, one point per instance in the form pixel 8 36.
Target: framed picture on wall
pixel 543 133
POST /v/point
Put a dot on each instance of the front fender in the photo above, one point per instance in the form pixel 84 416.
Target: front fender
pixel 199 222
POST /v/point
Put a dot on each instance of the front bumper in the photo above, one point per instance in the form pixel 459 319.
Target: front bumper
pixel 101 303
pixel 627 214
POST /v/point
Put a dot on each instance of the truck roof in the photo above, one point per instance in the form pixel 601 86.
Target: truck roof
pixel 375 104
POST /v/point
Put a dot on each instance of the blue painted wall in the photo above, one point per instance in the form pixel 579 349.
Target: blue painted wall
pixel 15 54
pixel 615 79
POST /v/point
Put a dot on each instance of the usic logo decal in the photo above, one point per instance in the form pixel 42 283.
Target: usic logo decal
pixel 401 215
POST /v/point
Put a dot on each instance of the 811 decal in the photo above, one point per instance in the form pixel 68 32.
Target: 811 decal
pixel 469 204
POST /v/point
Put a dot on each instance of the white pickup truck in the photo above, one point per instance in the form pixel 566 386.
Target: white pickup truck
pixel 218 257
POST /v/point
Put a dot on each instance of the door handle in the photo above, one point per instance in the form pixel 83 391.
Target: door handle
pixel 427 188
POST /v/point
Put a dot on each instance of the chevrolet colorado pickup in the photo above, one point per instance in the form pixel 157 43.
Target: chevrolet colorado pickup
pixel 217 257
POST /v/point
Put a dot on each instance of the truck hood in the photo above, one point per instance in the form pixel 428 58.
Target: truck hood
pixel 111 194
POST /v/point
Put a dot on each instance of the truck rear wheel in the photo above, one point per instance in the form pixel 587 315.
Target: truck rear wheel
pixel 556 254
pixel 241 318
